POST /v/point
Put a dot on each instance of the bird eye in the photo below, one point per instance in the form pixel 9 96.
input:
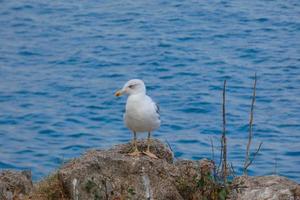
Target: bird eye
pixel 131 86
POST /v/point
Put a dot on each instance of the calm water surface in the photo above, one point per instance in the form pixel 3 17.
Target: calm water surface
pixel 61 62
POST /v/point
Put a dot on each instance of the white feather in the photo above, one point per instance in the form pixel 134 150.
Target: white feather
pixel 142 114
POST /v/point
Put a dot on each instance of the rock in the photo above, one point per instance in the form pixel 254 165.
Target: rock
pixel 15 185
pixel 112 174
pixel 189 177
pixel 265 187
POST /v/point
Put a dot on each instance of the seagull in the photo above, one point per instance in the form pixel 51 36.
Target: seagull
pixel 141 113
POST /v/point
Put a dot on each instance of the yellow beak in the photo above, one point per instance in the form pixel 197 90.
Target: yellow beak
pixel 118 93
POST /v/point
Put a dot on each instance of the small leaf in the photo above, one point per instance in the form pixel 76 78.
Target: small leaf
pixel 223 194
pixel 200 183
pixel 131 191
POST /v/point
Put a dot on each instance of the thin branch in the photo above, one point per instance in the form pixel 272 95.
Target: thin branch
pixel 247 159
pixel 221 155
pixel 224 142
pixel 212 149
pixel 275 164
pixel 232 171
pixel 170 148
pixel 223 108
pixel 213 157
pixel 256 152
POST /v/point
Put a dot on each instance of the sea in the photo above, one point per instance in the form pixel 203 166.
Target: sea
pixel 62 61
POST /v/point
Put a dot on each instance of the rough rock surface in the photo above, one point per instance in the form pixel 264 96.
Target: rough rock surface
pixel 112 174
pixel 265 188
pixel 14 185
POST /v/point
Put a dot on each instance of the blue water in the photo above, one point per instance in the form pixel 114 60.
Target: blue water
pixel 61 62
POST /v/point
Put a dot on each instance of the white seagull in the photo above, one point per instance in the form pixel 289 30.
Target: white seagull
pixel 142 113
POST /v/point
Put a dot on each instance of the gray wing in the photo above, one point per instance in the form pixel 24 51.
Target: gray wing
pixel 157 109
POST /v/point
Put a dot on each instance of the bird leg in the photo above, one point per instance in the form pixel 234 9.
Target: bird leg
pixel 147 152
pixel 135 152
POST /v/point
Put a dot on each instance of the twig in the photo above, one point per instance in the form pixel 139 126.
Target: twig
pixel 232 171
pixel 275 164
pixel 224 142
pixel 212 149
pixel 170 147
pixel 221 156
pixel 213 157
pixel 256 152
pixel 250 135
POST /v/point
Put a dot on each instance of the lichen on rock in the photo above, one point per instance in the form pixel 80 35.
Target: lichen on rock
pixel 112 174
pixel 264 187
pixel 14 184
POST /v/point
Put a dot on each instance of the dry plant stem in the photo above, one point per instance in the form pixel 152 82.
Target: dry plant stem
pixel 232 171
pixel 212 149
pixel 256 152
pixel 275 164
pixel 221 156
pixel 213 156
pixel 170 147
pixel 247 159
pixel 224 142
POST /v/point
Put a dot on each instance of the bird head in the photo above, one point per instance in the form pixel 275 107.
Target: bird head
pixel 134 86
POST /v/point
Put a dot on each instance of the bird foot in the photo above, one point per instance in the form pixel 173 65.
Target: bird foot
pixel 151 155
pixel 135 153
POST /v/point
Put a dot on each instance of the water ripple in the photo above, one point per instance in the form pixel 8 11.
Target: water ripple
pixel 58 77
